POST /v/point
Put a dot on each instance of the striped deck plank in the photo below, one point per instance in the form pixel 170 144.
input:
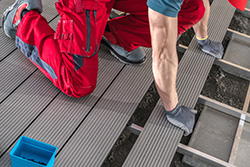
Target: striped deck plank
pixel 15 69
pixel 86 129
pixel 98 133
pixel 3 5
pixel 57 121
pixel 158 142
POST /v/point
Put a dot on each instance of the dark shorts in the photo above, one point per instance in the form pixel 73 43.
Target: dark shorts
pixel 166 7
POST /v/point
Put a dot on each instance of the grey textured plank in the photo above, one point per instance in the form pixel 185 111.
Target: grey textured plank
pixel 155 147
pixel 49 10
pixel 3 5
pixel 8 45
pixel 15 69
pixel 59 120
pixel 96 136
pixel 158 142
pixel 24 105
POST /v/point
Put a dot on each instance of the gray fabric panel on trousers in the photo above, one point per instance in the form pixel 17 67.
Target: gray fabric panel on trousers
pixel 94 139
pixel 15 69
pixel 159 140
pixel 61 117
pixel 8 45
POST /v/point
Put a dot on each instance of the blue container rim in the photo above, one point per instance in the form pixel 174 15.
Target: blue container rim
pixel 12 152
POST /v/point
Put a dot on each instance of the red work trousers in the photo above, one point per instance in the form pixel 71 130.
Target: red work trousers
pixel 69 56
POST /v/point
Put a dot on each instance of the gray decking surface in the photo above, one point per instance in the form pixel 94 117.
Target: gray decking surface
pixel 159 140
pixel 85 129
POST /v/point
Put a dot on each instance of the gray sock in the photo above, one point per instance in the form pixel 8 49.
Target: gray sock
pixel 182 117
pixel 212 48
pixel 203 42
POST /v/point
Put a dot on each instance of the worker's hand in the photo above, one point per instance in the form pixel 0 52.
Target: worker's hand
pixel 212 48
pixel 182 117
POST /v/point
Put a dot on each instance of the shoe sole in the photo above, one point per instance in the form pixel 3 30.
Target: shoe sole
pixel 217 56
pixel 6 12
pixel 114 53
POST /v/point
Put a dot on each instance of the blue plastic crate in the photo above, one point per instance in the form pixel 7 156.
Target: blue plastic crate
pixel 32 153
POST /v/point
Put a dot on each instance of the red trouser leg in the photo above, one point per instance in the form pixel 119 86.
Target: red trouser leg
pixel 132 30
pixel 191 13
pixel 69 56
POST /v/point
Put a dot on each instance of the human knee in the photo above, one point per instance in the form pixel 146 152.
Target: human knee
pixel 83 91
pixel 80 90
pixel 79 81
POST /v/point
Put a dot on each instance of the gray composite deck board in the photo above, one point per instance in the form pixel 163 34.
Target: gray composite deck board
pixel 8 45
pixel 3 5
pixel 98 133
pixel 23 106
pixel 158 141
pixel 60 119
pixel 15 69
pixel 86 129
pixel 196 65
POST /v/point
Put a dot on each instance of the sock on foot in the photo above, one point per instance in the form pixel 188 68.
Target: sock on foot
pixel 202 41
pixel 182 117
pixel 212 48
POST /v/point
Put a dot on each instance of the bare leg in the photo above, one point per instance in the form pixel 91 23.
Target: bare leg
pixel 165 64
pixel 201 27
pixel 208 46
pixel 165 61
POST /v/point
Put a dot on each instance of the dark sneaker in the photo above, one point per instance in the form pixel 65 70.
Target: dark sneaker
pixel 135 57
pixel 113 14
pixel 13 15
